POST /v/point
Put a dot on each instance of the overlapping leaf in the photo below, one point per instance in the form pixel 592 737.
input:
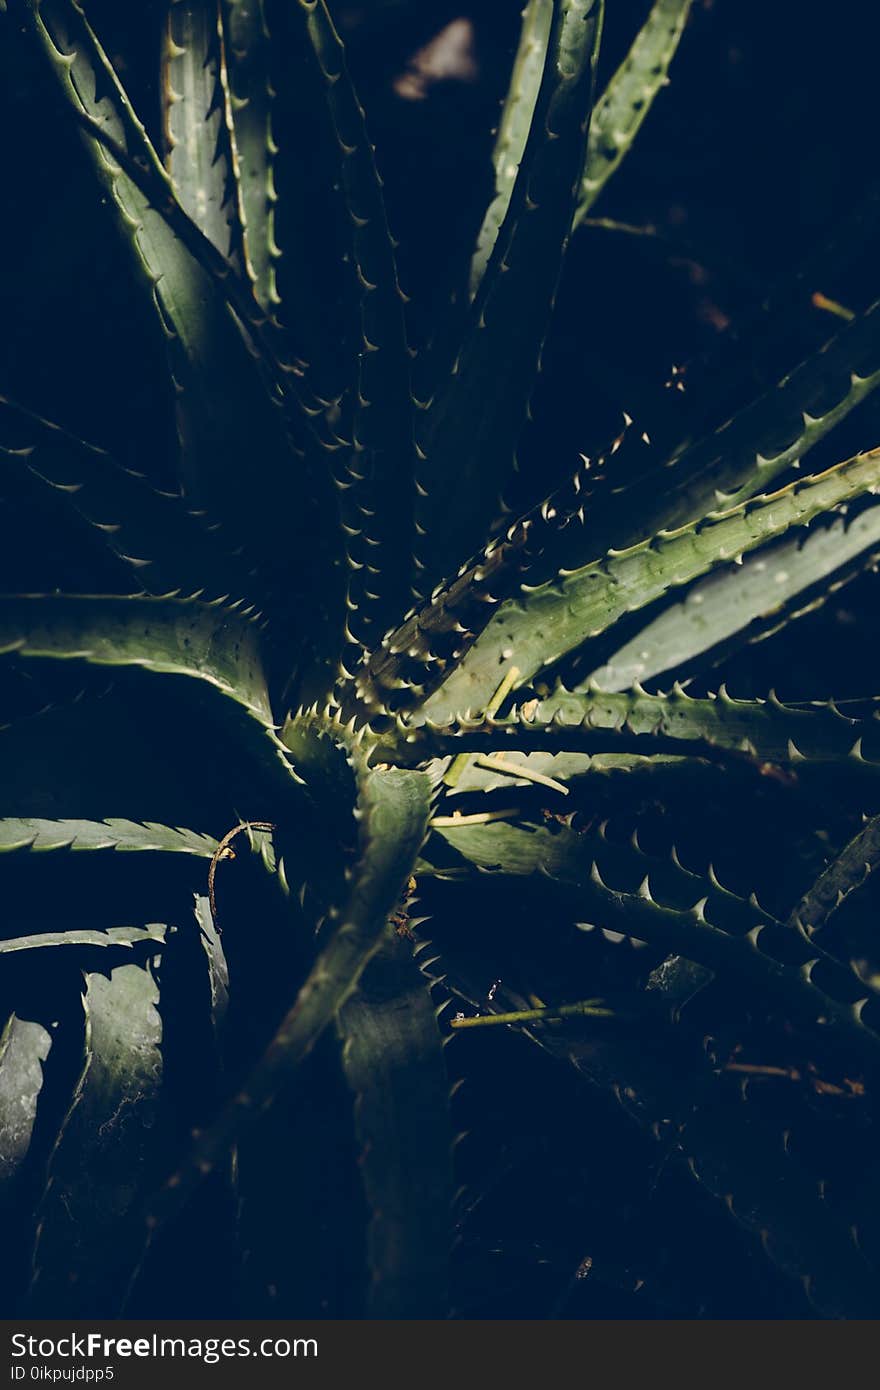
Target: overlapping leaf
pixel 472 424
pixel 536 630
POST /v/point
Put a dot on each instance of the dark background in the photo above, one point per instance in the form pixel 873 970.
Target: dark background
pixel 763 144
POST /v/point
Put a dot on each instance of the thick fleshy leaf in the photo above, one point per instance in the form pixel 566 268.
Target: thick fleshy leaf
pixel 200 152
pixel 846 874
pixel 218 969
pixel 206 346
pixel 46 835
pixel 209 647
pixel 376 475
pixel 247 61
pixel 236 398
pixel 316 290
pixel 393 1062
pixel 658 901
pixel 394 807
pixel 24 1047
pixel 590 514
pixel 117 938
pixel 739 460
pixel 508 770
pixel 473 422
pixel 168 636
pixel 513 127
pixel 110 1146
pixel 747 602
pixel 764 731
pixel 628 98
pixel 533 632
pixel 435 635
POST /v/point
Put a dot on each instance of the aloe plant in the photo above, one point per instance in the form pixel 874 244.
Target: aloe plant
pixel 334 653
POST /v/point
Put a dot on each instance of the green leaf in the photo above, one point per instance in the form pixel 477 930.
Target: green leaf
pixel 109 1147
pixel 393 1061
pixel 846 874
pixel 218 969
pixel 316 289
pixel 472 424
pixel 434 637
pixel 247 60
pixel 24 1047
pixel 330 759
pixel 35 835
pixel 667 1080
pixel 682 912
pixel 170 636
pixel 588 513
pixel 195 280
pixel 628 98
pixel 498 772
pixel 536 630
pixel 632 720
pixel 747 602
pixel 394 808
pixel 127 163
pixel 232 391
pixel 208 648
pixel 167 546
pixel 118 938
pixel 376 481
pixel 200 151
pixel 737 461
pixel 513 128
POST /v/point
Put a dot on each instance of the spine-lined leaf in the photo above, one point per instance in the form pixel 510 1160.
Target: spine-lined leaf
pixel 763 731
pixel 30 834
pixel 200 150
pixel 471 426
pixel 185 637
pixel 536 630
pixel 685 913
pixel 628 98
pixel 394 807
pixel 846 874
pixel 746 603
pixel 739 460
pixel 376 477
pixel 116 938
pixel 215 648
pixel 237 400
pixel 513 127
pixel 252 97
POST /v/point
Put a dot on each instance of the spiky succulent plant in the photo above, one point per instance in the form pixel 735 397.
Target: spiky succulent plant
pixel 355 637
